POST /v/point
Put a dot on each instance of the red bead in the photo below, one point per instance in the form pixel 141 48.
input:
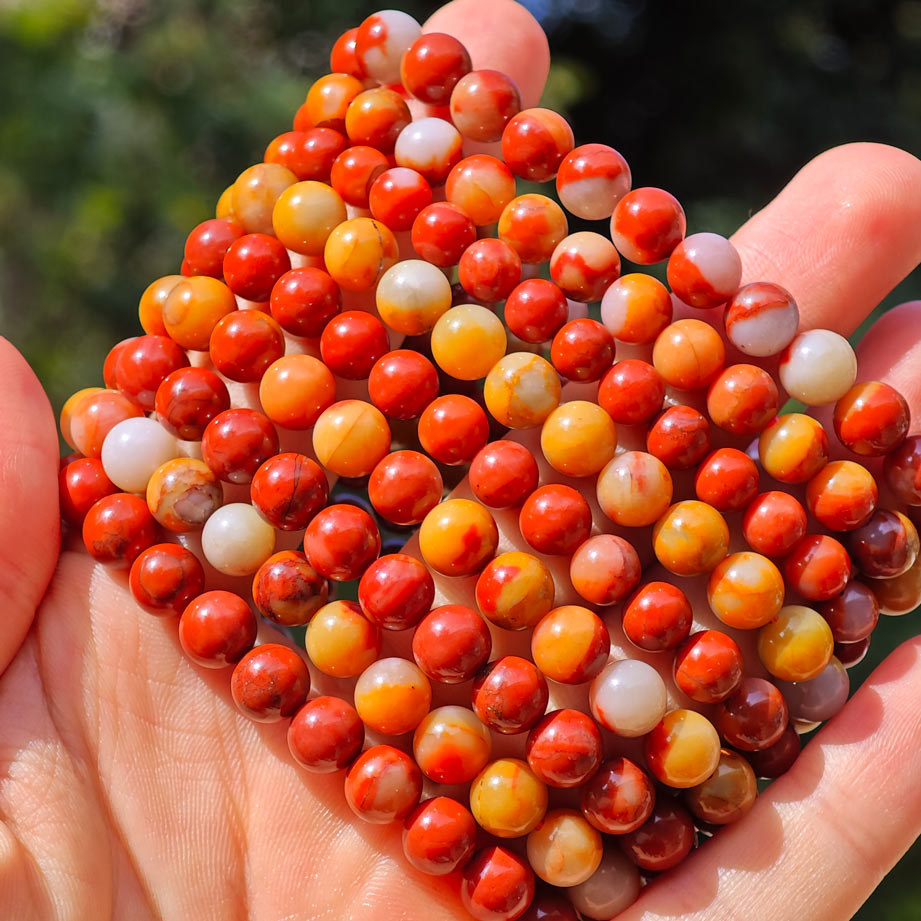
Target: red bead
pixel 217 629
pixel 352 342
pixel 304 300
pixel 143 364
pixel 270 683
pixel 108 366
pixel 872 419
pixel 325 735
pixel 309 154
pixel 680 437
pixel 288 490
pixel 664 840
pixel 743 400
pixel 376 117
pixel 341 542
pixel 383 785
pixel 165 578
pixel 288 590
pixel 585 265
pixel 301 120
pixel 619 798
pixel 564 749
pixel 207 244
pixel 404 487
pixel 439 836
pixel 591 180
pixel 555 519
pixel 658 617
pixel 902 469
pixel 728 480
pixel 779 758
pixel 396 591
pixel 536 310
pixel 482 104
pixel 818 567
pixel 453 428
pixel 343 58
pixel 188 399
pixel 441 232
pixel 582 350
pixel 510 695
pixel 354 171
pixel 237 442
pixel 451 644
pixel 773 523
pixel 244 344
pixel 397 196
pixel 489 269
pixel 497 886
pixel 754 716
pixel 708 666
pixel 402 383
pixel 431 67
pixel 647 224
pixel 117 528
pixel 253 264
pixel 631 392
pixel 704 270
pixel 535 142
pixel 885 546
pixel 605 569
pixel 81 484
pixel 851 654
pixel 503 474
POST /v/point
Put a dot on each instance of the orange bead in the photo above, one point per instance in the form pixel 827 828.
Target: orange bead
pixel 578 438
pixel 350 437
pixel 636 308
pixel 193 308
pixel 797 645
pixel 842 496
pixel 533 225
pixel 689 354
pixel 67 412
pixel 255 193
pixel 392 696
pixel 793 448
pixel 224 207
pixel 746 590
pixel 507 799
pixel 304 216
pixel 690 538
pixel 376 117
pixel 684 749
pixel 481 186
pixel 467 341
pixel 634 489
pixel 358 252
pixel 571 644
pixel 584 265
pixel 458 537
pixel 93 415
pixel 522 390
pixel 515 591
pixel 329 98
pixel 341 641
pixel 150 308
pixel 743 399
pixel 295 390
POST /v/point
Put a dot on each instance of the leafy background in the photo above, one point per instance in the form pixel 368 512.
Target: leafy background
pixel 122 120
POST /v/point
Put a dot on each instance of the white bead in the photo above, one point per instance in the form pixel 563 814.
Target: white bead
pixel 818 367
pixel 614 886
pixel 134 449
pixel 395 31
pixel 430 146
pixel 628 697
pixel 236 540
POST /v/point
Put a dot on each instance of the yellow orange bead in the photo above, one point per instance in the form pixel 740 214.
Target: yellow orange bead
pixel 571 644
pixel 224 207
pixel 690 538
pixel 578 438
pixel 341 641
pixel 532 225
pixel 392 696
pixel 467 341
pixel 183 493
pixel 521 390
pixel 458 537
pixel 684 749
pixel 481 186
pixel 636 308
pixel 689 354
pixel 255 193
pixel 304 216
pixel 295 390
pixel 634 489
pixel 797 645
pixel 68 409
pixel 793 448
pixel 358 252
pixel 746 590
pixel 451 745
pixel 564 850
pixel 350 437
pixel 507 799
pixel 329 98
pixel 515 591
pixel 150 308
pixel 193 308
pixel 842 495
pixel 412 295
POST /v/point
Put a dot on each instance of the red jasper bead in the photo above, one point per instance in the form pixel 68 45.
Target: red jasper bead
pixel 497 885
pixel 582 350
pixel 431 67
pixel 773 523
pixel 852 615
pixel 253 264
pixel 534 143
pixel 818 567
pixel 396 591
pixel 343 58
pixel 441 232
pixel 778 758
pixel 536 310
pixel 489 269
pixel 402 383
pixel 383 785
pixel 439 836
pixel 658 617
pixel 304 300
pixel 555 519
pixel 564 749
pixel 143 364
pixel 108 366
pixel 708 666
pixel 680 437
pixel 325 735
pixel 647 224
pixel 81 484
pixel 288 490
pixel 404 487
pixel 482 104
pixel 503 474
pixel 352 342
pixel 728 480
pixel 217 629
pixel 165 578
pixel 288 590
pixel 619 798
pixel 207 244
pixel 664 840
pixel 270 683
pixel 902 469
pixel 631 392
pixel 754 716
pixel 117 528
pixel 510 695
pixel 451 644
pixel 188 399
pixel 872 419
pixel 244 343
pixel 354 171
pixel 309 154
pixel 341 542
pixel 237 442
pixel 397 196
pixel 453 428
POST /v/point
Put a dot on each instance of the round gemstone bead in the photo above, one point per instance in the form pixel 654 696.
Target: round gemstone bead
pixel 818 367
pixel 797 645
pixel 489 270
pixel 536 310
pixel 288 590
pixel 851 654
pixel 253 264
pixel 647 224
pixel 270 683
pixel 289 490
pixel 885 546
pixel 605 569
pixel 510 695
pixel 402 383
pixel 754 716
pixel 515 591
pixel 255 192
pixel 205 248
pixel 591 180
pixel 534 143
pixel 555 519
pixel 142 364
pixel 398 195
pixel 820 698
pixel 304 300
pixel 708 666
pixel 381 41
pixel 631 392
pixel 584 265
pixel 482 104
pixel 183 494
pixel 90 414
pixel 507 798
pixel 636 308
pixel 133 450
pixel 431 146
pixel 412 295
pixel 352 342
pixel 295 390
pixel 308 152
pixel 341 542
pixel 325 735
pixel 619 798
pixel 342 58
pixel 570 645
pixel 628 697
pixel 901 594
pixel 236 540
pixel 458 537
pixel 354 171
pixel 497 885
pixel 305 219
pixel 743 400
pixel 451 644
pixel 467 341
pixel 237 442
pixel 404 487
pixel 902 469
pixel 564 749
pixel 216 629
pixel 704 270
pixel 548 907
pixel 329 97
pixel 728 479
pixel 375 119
pixel 521 390
pixel 439 836
pixel 341 641
pixel 396 591
pixel 564 850
pixel 188 399
pixel 441 233
pixel 503 474
pixel 683 750
pixel 680 437
pixel 453 428
pixel 690 538
pixel 358 252
pixel 818 567
pixel 533 225
pixel 612 888
pixel 664 841
pixel 853 614
pixel 351 437
pixel 165 578
pixel 582 350
pixel 779 758
pixel 872 419
pixel 658 617
pixel 150 306
pixel 728 794
pixel 451 746
pixel 746 590
pixel 634 489
pixel 842 495
pixel 392 696
pixel 689 354
pixel 432 66
pixel 578 438
pixel 383 785
pixel 761 319
pixel 793 448
pixel 481 186
pixel 83 482
pixel 773 523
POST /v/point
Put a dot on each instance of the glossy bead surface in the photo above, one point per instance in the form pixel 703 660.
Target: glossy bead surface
pixel 396 591
pixel 796 646
pixel 439 836
pixel 628 697
pixel 885 546
pixel 497 885
pixel 118 528
pixel 183 493
pixel 820 698
pixel 708 666
pixel 658 617
pixel 683 750
pixel 584 265
pixel 507 798
pixel 793 448
pixel 754 716
pixel 404 487
pixel 451 746
pixel 578 438
pixel 704 270
pixel 325 735
pixel 872 419
pixel 289 489
pixel 150 306
pixel 571 644
pixel 468 341
pixel 555 519
pixel 564 749
pixel 453 428
pixel 536 310
pixel 381 41
pixel 636 308
pixel 564 850
pixel 582 350
pixel 548 907
pixel 690 538
pixel 818 367
pixel 341 641
pixel 521 390
pixel 482 103
pixel 295 390
pixel 383 785
pixel 133 450
pixel 375 119
pixel 664 840
pixel 458 537
pixel 842 495
pixel 743 400
pixel 165 578
pixel 647 224
pixel 237 442
pixel 351 437
pixel 288 590
pixel 852 615
pixel 533 225
pixel 329 97
pixel 510 695
pixel 308 152
pixel 728 479
pixel 902 469
pixel 432 66
pixel 818 567
pixel 254 195
pixel 680 437
pixel 188 399
pixel 270 683
pixel 353 172
pixel 236 540
pixel 304 300
pixel 619 798
pixel 217 629
pixel 441 233
pixel 503 474
pixel 728 794
pixel 591 180
pixel 397 196
pixel 481 186
pixel 901 594
pixel 746 590
pixel 761 319
pixel 773 523
pixel 412 295
pixel 611 889
pixel 305 218
pixel 634 489
pixel 402 383
pixel 779 758
pixel 515 591
pixel 358 252
pixel 451 644
pixel 534 143
pixel 489 270
pixel 84 482
pixel 89 415
pixel 352 342
pixel 604 569
pixel 253 264
pixel 631 392
pixel 689 354
pixel 143 364
pixel 206 245
pixel 341 542
pixel 431 146
pixel 392 696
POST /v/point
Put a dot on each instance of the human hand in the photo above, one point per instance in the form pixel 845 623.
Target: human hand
pixel 130 787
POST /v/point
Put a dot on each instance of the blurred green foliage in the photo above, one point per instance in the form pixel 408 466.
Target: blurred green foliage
pixel 121 121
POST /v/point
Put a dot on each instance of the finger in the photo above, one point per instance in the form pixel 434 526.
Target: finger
pixel 500 35
pixel 29 528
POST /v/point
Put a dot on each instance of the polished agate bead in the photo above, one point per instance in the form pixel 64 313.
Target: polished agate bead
pixel 851 654
pixel 270 683
pixel 728 479
pixel 216 629
pixel 375 118
pixel 636 308
pixel 773 523
pixel 634 489
pixel 818 367
pixel 439 836
pixel 534 143
pixel 683 749
pixel 304 300
pixel 398 195
pixel 902 469
pixel 842 495
pixel 555 519
pixel 430 146
pixel 704 270
pixel 793 448
pixel 133 449
pixel 797 645
pixel 507 798
pixel 306 216
pixel 820 698
pixel 188 399
pixel 142 364
pixel 352 342
pixel 664 841
pixel 535 310
pixel 571 644
pixel 236 540
pixel 522 390
pixel 578 438
pixel 194 307
pixel 396 591
pixel 708 666
pixel 325 735
pixel 165 578
pixel 183 494
pixel 515 591
pixel 564 850
pixel 613 887
pixel 383 785
pixel 255 192
pixel 631 392
pixel 885 546
pixel 754 716
pixel 90 414
pixel 288 590
pixel 404 487
pixel 818 567
pixel 412 295
pixel 329 97
pixel 582 350
pixel 689 354
pixel 510 695
pixel 605 569
pixel 351 437
pixel 680 437
pixel 853 614
pixel 441 233
pixel 482 103
pixel 628 697
pixel 341 542
pixel 431 67
pixel 591 180
pixel 237 442
pixel 289 490
pixel 728 794
pixel 341 641
pixel 451 746
pixel 746 590
pixel 451 644
pixel 900 594
pixel 778 758
pixel 489 270
pixel 244 344
pixel 392 696
pixel 619 798
pixel 82 483
pixel 503 474
pixel 458 537
pixel 564 749
pixel 584 265
pixel 647 224
pixel 658 617
pixel 358 252
pixel 761 319
pixel 467 341
pixel 402 383
pixel 497 885
pixel 872 419
pixel 150 306
pixel 381 41
pixel 295 390
pixel 354 171
pixel 743 400
pixel 533 225
pixel 690 538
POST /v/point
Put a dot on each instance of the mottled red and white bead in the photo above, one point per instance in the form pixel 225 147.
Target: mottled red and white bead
pixel 761 319
pixel 381 41
pixel 431 146
pixel 704 270
pixel 584 265
pixel 591 180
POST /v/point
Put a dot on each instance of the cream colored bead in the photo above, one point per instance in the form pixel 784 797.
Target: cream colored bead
pixel 134 449
pixel 236 540
pixel 412 295
pixel 628 697
pixel 564 850
pixel 818 367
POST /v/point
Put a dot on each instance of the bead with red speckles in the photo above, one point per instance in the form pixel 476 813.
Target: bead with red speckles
pixel 571 644
pixel 458 537
pixel 708 666
pixel 564 749
pixel 555 519
pixel 270 683
pixel 343 58
pixel 489 270
pixel 207 244
pixel 818 567
pixel 842 495
pixel 188 399
pixel 497 885
pixel 584 265
pixel 165 578
pixel 441 232
pixel 396 591
pixel 582 350
pixel 402 384
pixel 451 746
pixel 534 143
pixel 666 838
pixel 481 186
pixel 754 717
pixel 142 364
pixel 773 523
pixel 253 264
pixel 704 270
pixel 432 66
pixel 325 735
pixel 118 528
pixel 533 225
pixel 83 482
pixel 872 419
pixel 482 104
pixel 341 542
pixel 383 785
pixel 619 798
pixel 404 487
pixel 217 629
pixel 288 490
pixel 728 480
pixel 605 569
pixel 451 644
pixel 743 400
pixel 680 437
pixel 375 119
pixel 237 442
pixel 304 300
pixel 288 590
pixel 309 153
pixel 503 474
pixel 329 97
pixel 397 196
pixel 439 836
pixel 352 342
pixel 431 146
pixel 591 180
pixel 647 224
pixel 244 344
pixel 510 695
pixel 761 319
pixel 536 310
pixel 453 428
pixel 885 546
pixel 778 758
pixel 793 448
pixel 631 392
pixel 515 591
pixel 354 171
pixel 902 469
pixel 658 617
pixel 852 615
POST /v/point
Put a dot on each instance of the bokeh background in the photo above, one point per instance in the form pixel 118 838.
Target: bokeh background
pixel 121 121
